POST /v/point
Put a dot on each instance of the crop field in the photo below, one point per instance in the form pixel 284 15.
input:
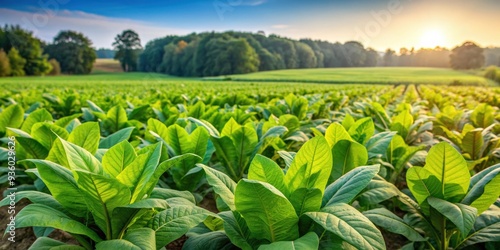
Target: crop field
pixel 386 75
pixel 258 161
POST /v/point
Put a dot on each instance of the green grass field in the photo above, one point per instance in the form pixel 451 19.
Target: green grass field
pixel 365 75
pixel 107 74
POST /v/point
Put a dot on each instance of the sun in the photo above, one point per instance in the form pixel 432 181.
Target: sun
pixel 432 38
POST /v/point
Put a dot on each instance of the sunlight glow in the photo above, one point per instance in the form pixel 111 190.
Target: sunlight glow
pixel 432 38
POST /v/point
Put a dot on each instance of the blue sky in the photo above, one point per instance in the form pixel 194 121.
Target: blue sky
pixel 376 23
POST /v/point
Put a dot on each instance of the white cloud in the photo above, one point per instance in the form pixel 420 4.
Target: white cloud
pixel 100 29
pixel 280 26
pixel 253 2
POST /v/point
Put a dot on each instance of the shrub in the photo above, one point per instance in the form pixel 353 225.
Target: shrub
pixel 56 67
pixel 491 72
pixel 16 63
pixel 4 64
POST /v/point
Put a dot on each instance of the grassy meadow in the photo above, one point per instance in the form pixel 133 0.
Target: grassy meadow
pixel 375 75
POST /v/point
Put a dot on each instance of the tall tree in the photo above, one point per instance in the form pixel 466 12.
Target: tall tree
pixel 467 56
pixel 128 46
pixel 28 46
pixel 16 63
pixel 73 51
pixel 389 58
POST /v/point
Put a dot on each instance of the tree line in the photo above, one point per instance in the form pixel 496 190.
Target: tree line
pixel 213 54
pixel 70 52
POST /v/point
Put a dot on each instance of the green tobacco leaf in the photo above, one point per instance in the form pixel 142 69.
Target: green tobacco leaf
pixel 47 133
pixel 245 140
pixel 348 122
pixel 230 127
pixel 448 165
pixel 266 170
pixel 144 238
pixel 159 128
pixel 117 117
pixel 336 132
pixel 378 144
pixel 65 121
pixel 181 142
pixel 62 186
pixel 484 189
pixel 33 147
pixel 402 123
pixel 267 212
pixel 347 187
pixel 163 193
pixel 445 175
pixel 123 216
pixel 40 115
pixel 306 200
pixel 362 130
pixel 392 223
pixel 311 166
pixel 138 174
pixel 461 215
pixel 35 197
pixel 376 192
pixel 103 195
pixel 172 223
pixel 162 168
pixel 483 115
pixel 236 229
pixel 116 137
pixel 117 244
pixel 347 155
pixel 43 216
pixel 226 152
pixel 350 225
pixel 11 117
pixel 423 184
pixel 307 242
pixel 45 243
pixel 80 159
pixel 222 185
pixel 86 136
pixel 118 157
pixel 486 229
pixel 472 143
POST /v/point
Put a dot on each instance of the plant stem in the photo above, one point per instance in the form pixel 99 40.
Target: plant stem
pixel 82 241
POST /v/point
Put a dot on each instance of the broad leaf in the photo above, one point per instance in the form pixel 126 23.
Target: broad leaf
pixel 307 242
pixel 222 185
pixel 103 195
pixel 118 157
pixel 484 189
pixel 347 155
pixel 40 115
pixel 43 216
pixel 266 170
pixel 62 186
pixel 11 117
pixel 392 223
pixel 45 243
pixel 311 166
pixel 172 223
pixel 350 225
pixel 86 136
pixel 347 187
pixel 116 137
pixel 336 132
pixel 461 215
pixel 267 212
